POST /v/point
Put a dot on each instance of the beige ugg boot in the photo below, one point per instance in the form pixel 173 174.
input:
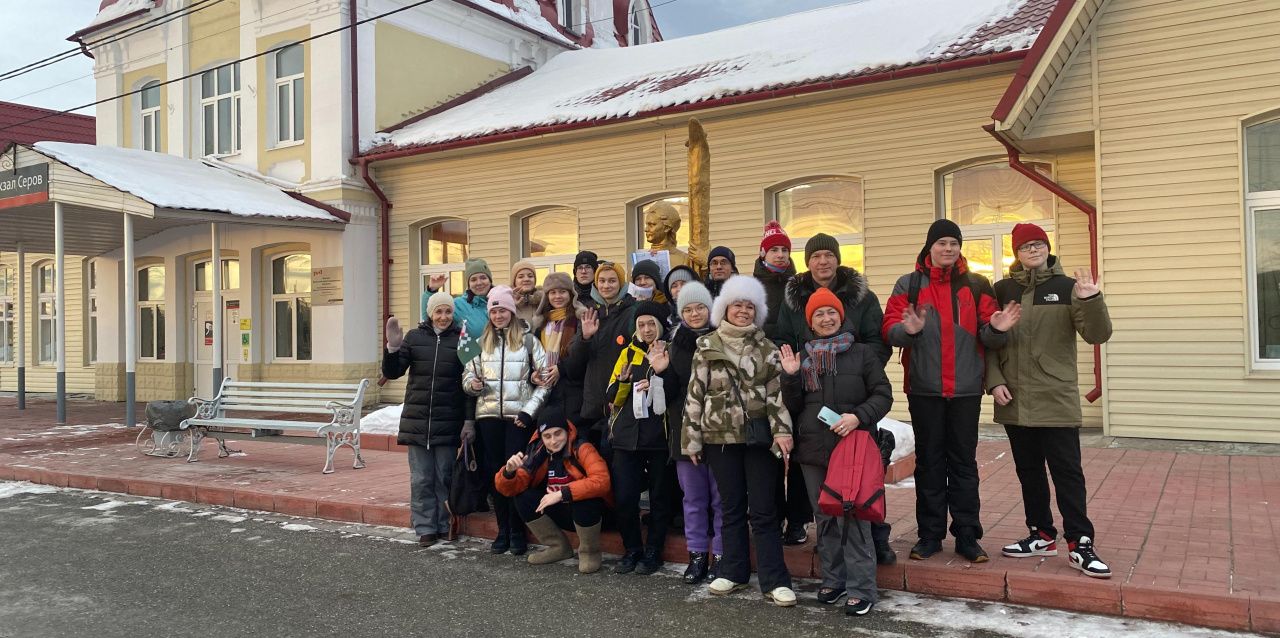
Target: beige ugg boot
pixel 589 549
pixel 549 534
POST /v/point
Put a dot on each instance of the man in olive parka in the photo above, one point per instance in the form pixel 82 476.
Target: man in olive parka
pixel 1033 380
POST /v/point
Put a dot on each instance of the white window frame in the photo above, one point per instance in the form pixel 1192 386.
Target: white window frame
pixel 45 323
pixel 798 241
pixel 287 106
pixel 159 335
pixel 91 311
pixel 1262 201
pixel 292 299
pixel 149 119
pixel 569 13
pixel 210 103
pixel 552 263
pixel 995 233
pixel 426 270
pixel 8 323
pixel 639 30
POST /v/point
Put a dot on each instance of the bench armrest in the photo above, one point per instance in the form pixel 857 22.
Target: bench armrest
pixel 344 414
pixel 206 408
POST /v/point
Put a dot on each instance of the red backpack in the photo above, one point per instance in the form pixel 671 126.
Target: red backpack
pixel 855 479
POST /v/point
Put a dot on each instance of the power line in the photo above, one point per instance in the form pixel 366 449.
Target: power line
pixel 649 9
pixel 69 54
pixel 160 53
pixel 198 73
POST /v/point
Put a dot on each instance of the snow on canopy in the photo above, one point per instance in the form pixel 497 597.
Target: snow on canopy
pixel 824 44
pixel 111 9
pixel 169 181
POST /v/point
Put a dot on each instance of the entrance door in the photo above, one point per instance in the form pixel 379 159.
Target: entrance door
pixel 202 333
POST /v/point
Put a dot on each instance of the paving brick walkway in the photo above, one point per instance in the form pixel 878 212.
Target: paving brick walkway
pixel 1170 524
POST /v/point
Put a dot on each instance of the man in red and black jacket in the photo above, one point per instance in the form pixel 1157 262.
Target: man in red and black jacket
pixel 943 317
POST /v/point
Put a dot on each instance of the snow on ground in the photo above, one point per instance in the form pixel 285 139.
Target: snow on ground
pixel 837 41
pixel 383 421
pixel 169 181
pixel 14 488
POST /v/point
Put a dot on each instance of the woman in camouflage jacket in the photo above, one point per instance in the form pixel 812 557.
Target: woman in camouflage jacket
pixel 737 380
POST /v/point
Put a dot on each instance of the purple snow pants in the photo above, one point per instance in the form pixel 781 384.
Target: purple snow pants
pixel 701 504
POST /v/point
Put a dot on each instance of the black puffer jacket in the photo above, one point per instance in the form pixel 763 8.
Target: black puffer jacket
pixel 775 288
pixel 435 407
pixel 596 356
pixel 681 346
pixel 862 313
pixel 858 387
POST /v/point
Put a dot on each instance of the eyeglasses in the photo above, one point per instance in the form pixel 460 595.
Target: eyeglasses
pixel 1033 247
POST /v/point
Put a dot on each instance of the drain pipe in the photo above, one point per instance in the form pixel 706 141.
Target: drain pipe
pixel 384 204
pixel 1090 211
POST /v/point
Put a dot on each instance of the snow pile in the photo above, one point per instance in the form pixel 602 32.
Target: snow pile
pixel 839 41
pixel 118 9
pixel 169 181
pixel 14 488
pixel 904 438
pixel 527 13
pixel 1013 41
pixel 384 421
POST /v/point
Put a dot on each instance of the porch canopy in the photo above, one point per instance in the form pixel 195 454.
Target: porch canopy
pixel 80 199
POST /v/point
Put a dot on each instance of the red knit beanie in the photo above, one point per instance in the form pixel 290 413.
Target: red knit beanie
pixel 820 298
pixel 1023 233
pixel 774 235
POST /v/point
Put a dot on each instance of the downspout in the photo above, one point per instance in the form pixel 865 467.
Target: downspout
pixel 384 204
pixel 1090 211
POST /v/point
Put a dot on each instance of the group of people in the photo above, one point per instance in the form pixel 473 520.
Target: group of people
pixel 713 394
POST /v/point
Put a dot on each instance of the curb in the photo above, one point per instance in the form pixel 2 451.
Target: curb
pixel 1242 612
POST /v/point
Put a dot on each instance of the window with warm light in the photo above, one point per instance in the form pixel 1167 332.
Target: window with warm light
pixel 987 200
pixel 549 239
pixel 442 250
pixel 831 205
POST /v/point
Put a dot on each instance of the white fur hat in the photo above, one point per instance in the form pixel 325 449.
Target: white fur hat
pixel 740 288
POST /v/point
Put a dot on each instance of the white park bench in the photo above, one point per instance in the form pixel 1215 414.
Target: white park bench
pixel 342 401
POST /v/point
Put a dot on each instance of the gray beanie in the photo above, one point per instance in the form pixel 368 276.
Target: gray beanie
pixel 693 292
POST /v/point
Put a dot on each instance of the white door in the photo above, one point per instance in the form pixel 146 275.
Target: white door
pixel 202 333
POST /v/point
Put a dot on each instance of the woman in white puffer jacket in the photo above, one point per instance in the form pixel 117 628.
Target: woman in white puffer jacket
pixel 506 380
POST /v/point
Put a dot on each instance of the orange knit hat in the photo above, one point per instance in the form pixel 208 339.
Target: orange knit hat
pixel 820 298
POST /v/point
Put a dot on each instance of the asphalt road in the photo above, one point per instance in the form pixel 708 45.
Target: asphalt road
pixel 92 564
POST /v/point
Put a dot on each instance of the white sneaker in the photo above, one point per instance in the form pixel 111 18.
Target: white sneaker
pixel 1083 558
pixel 724 587
pixel 781 596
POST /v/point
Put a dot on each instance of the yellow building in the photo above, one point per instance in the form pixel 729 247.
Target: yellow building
pixel 1163 118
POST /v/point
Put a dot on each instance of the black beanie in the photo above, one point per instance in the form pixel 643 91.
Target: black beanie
pixel 723 251
pixel 586 257
pixel 653 309
pixel 821 241
pixel 647 267
pixel 939 229
pixel 552 419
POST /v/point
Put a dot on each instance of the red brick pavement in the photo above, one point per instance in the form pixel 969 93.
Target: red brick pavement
pixel 1168 523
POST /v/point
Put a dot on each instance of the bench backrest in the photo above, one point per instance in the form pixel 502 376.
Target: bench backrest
pixel 308 398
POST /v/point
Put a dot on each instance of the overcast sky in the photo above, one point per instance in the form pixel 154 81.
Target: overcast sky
pixel 34 33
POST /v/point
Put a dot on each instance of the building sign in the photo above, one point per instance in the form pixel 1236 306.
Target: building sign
pixel 326 286
pixel 24 186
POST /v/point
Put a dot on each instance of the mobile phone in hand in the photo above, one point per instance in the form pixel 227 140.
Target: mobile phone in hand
pixel 829 416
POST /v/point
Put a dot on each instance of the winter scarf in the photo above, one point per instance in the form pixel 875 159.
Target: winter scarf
pixel 557 334
pixel 822 358
pixel 735 338
pixel 775 269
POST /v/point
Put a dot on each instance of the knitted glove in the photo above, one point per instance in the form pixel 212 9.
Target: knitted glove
pixel 395 335
pixel 468 432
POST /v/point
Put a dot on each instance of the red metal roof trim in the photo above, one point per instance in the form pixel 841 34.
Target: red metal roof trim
pixel 61 127
pixel 1041 46
pixel 332 210
pixel 389 152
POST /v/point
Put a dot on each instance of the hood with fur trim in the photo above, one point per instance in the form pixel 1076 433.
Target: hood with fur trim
pixel 849 286
pixel 741 287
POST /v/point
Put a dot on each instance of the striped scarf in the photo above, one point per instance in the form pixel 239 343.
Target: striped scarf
pixel 822 358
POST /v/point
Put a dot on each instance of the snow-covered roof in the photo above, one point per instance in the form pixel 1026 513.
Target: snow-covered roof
pixel 169 181
pixel 112 9
pixel 827 44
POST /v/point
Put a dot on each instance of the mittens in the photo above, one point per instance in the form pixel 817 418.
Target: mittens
pixel 395 335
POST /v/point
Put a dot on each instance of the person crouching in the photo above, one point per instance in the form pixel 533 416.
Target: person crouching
pixel 558 483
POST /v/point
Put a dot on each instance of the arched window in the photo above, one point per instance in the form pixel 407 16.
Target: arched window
pixel 151 337
pixel 639 22
pixel 548 237
pixel 442 249
pixel 831 205
pixel 290 94
pixel 1262 230
pixel 987 199
pixel 291 306
pixel 8 291
pixel 149 110
pixel 46 318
